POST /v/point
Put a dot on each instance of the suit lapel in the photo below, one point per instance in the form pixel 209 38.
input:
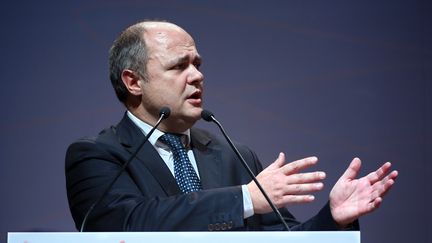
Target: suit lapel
pixel 208 160
pixel 130 136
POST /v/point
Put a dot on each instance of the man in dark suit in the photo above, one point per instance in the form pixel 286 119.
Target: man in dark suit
pixel 185 178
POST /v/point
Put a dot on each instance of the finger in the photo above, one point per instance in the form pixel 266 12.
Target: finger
pixel 352 170
pixel 301 189
pixel 379 173
pixel 386 188
pixel 374 204
pixel 381 187
pixel 393 175
pixel 298 165
pixel 297 199
pixel 279 162
pixel 306 177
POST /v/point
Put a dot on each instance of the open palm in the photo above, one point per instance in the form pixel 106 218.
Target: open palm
pixel 351 198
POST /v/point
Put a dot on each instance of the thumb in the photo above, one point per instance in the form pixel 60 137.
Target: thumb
pixel 352 170
pixel 279 162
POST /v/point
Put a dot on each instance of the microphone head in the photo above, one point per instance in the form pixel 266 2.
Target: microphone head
pixel 207 115
pixel 165 111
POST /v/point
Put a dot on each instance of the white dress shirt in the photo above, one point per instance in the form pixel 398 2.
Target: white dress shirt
pixel 166 154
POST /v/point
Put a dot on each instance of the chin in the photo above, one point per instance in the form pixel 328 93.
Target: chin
pixel 194 114
pixel 197 113
pixel 189 114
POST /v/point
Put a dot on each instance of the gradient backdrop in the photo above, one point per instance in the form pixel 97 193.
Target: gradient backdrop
pixel 335 79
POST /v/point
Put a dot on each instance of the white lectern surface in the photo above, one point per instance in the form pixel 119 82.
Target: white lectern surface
pixel 188 237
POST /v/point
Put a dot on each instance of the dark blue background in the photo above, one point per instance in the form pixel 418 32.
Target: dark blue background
pixel 335 79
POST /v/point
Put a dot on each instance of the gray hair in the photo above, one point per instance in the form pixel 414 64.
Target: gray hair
pixel 128 51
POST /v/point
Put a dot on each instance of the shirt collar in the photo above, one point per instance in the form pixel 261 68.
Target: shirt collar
pixel 154 138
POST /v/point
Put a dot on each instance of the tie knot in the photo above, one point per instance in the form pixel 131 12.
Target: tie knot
pixel 173 141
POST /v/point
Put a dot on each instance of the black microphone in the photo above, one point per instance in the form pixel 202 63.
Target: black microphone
pixel 164 113
pixel 208 116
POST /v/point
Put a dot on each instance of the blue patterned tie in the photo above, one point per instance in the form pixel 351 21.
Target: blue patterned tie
pixel 185 174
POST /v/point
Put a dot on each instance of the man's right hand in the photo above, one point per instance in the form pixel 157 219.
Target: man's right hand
pixel 285 185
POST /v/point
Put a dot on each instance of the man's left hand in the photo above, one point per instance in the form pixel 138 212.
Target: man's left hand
pixel 351 198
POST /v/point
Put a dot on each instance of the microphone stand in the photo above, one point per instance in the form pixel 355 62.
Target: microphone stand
pixel 208 116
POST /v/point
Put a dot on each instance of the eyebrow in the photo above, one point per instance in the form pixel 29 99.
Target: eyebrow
pixel 185 58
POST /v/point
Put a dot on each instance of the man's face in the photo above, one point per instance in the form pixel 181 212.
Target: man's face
pixel 173 76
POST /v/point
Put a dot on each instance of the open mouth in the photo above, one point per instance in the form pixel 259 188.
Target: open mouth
pixel 195 97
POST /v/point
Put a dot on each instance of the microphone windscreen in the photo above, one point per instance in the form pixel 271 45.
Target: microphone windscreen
pixel 165 111
pixel 207 115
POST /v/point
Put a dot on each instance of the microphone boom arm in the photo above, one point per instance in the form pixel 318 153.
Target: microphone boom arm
pixel 210 117
pixel 164 113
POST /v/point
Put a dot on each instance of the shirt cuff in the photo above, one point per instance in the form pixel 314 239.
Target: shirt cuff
pixel 247 203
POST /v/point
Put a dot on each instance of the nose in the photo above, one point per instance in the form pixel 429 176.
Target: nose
pixel 195 76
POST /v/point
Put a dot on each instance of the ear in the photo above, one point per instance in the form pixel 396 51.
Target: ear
pixel 132 82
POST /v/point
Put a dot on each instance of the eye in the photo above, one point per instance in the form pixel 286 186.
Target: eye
pixel 197 65
pixel 180 66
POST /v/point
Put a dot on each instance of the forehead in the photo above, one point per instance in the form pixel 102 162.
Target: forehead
pixel 165 38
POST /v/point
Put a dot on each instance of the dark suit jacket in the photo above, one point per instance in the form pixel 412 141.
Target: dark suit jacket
pixel 146 196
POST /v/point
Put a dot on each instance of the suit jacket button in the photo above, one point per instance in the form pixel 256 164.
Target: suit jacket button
pixel 224 226
pixel 230 224
pixel 217 226
pixel 210 227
